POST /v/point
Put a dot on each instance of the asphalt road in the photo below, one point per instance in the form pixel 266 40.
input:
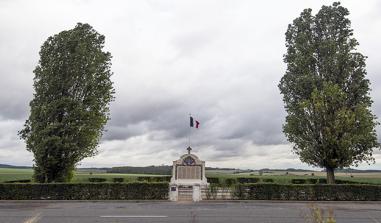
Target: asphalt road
pixel 121 211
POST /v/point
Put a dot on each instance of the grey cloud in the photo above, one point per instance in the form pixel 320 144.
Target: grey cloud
pixel 219 60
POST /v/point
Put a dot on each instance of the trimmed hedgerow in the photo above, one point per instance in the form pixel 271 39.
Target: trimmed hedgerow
pixel 18 181
pixel 347 182
pixel 162 179
pixel 298 181
pixel 308 192
pixel 213 180
pixel 118 179
pixel 154 179
pixel 84 191
pixel 97 180
pixel 267 180
pixel 243 180
pixel 230 181
pixel 312 180
pixel 322 181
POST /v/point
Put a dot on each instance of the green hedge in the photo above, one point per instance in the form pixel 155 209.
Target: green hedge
pixel 97 180
pixel 18 181
pixel 154 179
pixel 298 181
pixel 312 192
pixel 267 180
pixel 347 182
pixel 230 181
pixel 85 191
pixel 213 180
pixel 321 181
pixel 117 180
pixel 244 180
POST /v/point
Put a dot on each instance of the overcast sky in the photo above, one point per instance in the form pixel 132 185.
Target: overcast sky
pixel 219 60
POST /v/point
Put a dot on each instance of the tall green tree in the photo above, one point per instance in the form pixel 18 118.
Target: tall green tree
pixel 325 91
pixel 71 102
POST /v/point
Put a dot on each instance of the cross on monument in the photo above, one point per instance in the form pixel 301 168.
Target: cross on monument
pixel 189 149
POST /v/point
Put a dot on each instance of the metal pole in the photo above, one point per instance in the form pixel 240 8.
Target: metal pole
pixel 190 131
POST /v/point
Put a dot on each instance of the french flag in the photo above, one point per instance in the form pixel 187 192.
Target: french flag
pixel 194 123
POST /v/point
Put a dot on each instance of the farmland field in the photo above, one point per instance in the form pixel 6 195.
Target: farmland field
pixel 9 174
pixel 283 177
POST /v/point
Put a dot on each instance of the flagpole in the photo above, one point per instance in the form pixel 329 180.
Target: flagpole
pixel 190 130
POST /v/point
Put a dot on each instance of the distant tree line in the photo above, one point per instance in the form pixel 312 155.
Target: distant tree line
pixel 161 170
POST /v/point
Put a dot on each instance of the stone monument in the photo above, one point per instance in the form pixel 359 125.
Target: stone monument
pixel 188 178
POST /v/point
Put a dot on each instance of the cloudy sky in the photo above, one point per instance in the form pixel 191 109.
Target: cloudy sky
pixel 219 60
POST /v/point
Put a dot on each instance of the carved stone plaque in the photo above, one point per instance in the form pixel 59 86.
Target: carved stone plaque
pixel 188 172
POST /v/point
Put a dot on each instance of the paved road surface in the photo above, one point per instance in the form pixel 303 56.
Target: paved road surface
pixel 136 212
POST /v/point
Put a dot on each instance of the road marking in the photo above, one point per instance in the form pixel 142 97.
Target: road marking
pixel 133 216
pixel 33 219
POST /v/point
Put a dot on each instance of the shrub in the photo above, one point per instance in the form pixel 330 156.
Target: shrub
pixel 230 181
pixel 322 181
pixel 18 181
pixel 146 179
pixel 161 179
pixel 97 180
pixel 84 191
pixel 268 180
pixel 154 179
pixel 346 182
pixel 298 181
pixel 118 180
pixel 211 192
pixel 312 181
pixel 213 180
pixel 247 180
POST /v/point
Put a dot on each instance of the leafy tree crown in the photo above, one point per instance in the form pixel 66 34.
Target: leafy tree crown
pixel 71 100
pixel 325 91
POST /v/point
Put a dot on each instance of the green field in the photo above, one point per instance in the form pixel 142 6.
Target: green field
pixel 283 177
pixel 9 174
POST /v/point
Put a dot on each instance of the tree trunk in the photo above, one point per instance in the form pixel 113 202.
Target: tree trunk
pixel 330 175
